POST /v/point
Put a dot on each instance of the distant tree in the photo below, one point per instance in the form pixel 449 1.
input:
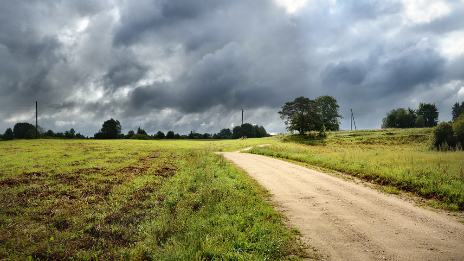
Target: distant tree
pixel 130 134
pixel 141 131
pixel 67 135
pixel 328 109
pixel 206 136
pixel 140 137
pixel 50 134
pixel 224 134
pixel 170 135
pixel 301 115
pixel 430 114
pixel 457 110
pixel 458 128
pixel 8 135
pixel 262 131
pixel 20 130
pixel 237 132
pixel 59 135
pixel 31 134
pixel 79 136
pixel 248 131
pixel 72 132
pixel 110 130
pixel 177 136
pixel 419 122
pixel 160 135
pixel 399 118
pixel 191 135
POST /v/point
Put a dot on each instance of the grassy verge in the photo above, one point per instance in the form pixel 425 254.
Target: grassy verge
pixel 397 158
pixel 159 200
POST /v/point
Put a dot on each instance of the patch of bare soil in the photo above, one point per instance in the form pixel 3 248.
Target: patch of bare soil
pixel 349 221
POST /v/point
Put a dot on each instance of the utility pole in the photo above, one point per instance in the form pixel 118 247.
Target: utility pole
pixel 352 120
pixel 242 116
pixel 36 130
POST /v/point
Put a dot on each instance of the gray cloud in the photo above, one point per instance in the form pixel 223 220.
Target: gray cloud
pixel 193 65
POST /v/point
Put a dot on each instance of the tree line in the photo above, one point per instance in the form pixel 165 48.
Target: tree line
pixel 111 129
pixel 425 116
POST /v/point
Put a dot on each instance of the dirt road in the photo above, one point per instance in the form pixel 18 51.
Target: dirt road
pixel 349 221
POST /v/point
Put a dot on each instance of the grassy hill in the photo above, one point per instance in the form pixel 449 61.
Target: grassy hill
pixel 400 159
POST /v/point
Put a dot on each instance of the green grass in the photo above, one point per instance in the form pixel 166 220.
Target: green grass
pixel 134 200
pixel 398 158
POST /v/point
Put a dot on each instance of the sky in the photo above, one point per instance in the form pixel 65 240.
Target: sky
pixel 193 65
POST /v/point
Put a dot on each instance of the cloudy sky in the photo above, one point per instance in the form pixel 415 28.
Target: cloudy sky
pixel 187 65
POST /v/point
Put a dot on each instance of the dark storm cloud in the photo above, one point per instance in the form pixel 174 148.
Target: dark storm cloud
pixel 125 71
pixel 193 65
pixel 157 15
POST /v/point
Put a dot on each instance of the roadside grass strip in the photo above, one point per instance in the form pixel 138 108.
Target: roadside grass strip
pixel 135 200
pixel 397 158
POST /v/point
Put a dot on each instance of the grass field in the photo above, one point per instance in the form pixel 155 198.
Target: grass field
pixel 401 159
pixel 135 200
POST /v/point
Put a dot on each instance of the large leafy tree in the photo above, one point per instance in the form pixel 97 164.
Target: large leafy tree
pixel 21 129
pixel 430 114
pixel 248 130
pixel 237 132
pixel 110 130
pixel 328 109
pixel 301 115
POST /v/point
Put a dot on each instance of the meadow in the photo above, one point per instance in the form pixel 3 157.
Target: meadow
pixel 396 159
pixel 136 200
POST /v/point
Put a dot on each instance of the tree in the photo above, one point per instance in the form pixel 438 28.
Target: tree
pixel 224 134
pixel 443 136
pixel 31 134
pixel 72 132
pixel 20 129
pixel 191 135
pixel 430 114
pixel 262 131
pixel 328 109
pixel 50 133
pixel 110 130
pixel 170 135
pixel 301 115
pixel 419 122
pixel 458 128
pixel 248 131
pixel 8 135
pixel 141 131
pixel 130 134
pixel 457 110
pixel 237 132
pixel 160 135
pixel 400 118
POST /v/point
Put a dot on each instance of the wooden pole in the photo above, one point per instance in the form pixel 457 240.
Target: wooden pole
pixel 36 129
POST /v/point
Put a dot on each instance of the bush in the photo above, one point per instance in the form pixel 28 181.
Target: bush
pixel 443 136
pixel 140 137
pixel 8 135
pixel 458 128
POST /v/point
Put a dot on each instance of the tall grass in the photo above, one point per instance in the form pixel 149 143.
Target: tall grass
pixel 156 200
pixel 399 158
